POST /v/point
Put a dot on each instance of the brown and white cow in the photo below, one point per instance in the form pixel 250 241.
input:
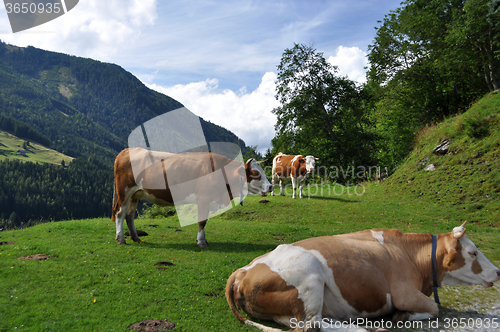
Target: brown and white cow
pixel 295 167
pixel 162 171
pixel 358 275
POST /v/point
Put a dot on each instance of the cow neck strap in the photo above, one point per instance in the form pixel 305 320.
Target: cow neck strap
pixel 435 284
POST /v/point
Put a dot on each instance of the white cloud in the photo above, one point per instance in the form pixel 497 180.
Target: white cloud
pixel 94 28
pixel 351 62
pixel 248 115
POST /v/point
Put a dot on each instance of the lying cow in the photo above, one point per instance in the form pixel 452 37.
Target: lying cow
pixel 163 171
pixel 359 275
pixel 295 167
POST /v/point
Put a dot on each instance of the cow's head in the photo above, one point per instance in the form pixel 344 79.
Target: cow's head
pixel 464 264
pixel 256 178
pixel 310 163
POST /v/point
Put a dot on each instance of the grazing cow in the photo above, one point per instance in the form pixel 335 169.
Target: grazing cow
pixel 161 172
pixel 366 274
pixel 294 167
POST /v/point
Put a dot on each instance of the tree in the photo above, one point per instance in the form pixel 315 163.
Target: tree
pixel 430 60
pixel 321 113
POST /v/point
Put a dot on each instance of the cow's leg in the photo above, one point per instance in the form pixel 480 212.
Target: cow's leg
pixel 272 182
pixel 294 186
pixel 301 185
pixel 130 220
pixel 281 187
pixel 411 304
pixel 200 239
pixel 120 216
pixel 203 210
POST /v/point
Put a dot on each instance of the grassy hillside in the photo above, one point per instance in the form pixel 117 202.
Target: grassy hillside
pixel 10 145
pixel 93 284
pixel 466 180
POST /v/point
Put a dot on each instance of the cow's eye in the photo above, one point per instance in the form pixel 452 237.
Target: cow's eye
pixel 473 254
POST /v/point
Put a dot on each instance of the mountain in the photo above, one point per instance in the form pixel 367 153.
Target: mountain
pixel 85 107
pixel 82 108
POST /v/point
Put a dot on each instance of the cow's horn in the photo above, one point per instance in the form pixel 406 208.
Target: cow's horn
pixel 459 231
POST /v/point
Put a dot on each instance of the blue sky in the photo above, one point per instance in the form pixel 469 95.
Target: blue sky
pixel 218 58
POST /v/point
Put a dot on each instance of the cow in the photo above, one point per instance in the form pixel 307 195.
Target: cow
pixel 294 167
pixel 318 281
pixel 162 171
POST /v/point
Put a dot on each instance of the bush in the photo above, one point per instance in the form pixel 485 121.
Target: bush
pixel 476 128
pixel 155 211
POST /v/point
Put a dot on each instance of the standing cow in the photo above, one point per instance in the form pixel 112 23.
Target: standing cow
pixel 295 167
pixel 206 179
pixel 365 274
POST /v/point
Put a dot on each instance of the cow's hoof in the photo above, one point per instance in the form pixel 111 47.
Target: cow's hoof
pixel 401 316
pixel 203 244
pixel 122 242
pixel 138 240
pixel 282 195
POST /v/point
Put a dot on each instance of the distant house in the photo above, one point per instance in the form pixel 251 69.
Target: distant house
pixel 22 152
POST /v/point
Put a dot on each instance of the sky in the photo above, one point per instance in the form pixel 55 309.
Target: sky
pixel 218 58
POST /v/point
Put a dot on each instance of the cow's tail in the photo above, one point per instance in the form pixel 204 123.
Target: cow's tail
pixel 230 298
pixel 236 312
pixel 114 207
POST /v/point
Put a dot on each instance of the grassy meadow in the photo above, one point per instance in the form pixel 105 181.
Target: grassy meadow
pixel 10 144
pixel 96 285
pixel 93 284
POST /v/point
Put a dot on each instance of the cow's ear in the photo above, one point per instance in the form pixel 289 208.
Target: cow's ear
pixel 316 158
pixel 450 258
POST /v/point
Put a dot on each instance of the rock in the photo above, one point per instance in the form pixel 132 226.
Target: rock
pixel 430 168
pixel 424 161
pixel 442 148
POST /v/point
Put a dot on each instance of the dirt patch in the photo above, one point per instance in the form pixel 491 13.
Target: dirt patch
pixel 152 325
pixel 140 233
pixel 264 201
pixel 6 243
pixel 164 264
pixel 38 257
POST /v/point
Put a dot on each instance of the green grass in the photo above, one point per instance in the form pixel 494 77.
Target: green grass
pixel 10 144
pixel 467 179
pixel 96 285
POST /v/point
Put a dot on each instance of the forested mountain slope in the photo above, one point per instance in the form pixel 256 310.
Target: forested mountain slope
pixel 80 107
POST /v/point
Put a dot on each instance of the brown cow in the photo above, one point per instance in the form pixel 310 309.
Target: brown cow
pixel 323 281
pixel 206 179
pixel 295 167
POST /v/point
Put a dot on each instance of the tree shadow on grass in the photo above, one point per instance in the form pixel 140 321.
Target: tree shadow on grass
pixel 212 246
pixel 328 198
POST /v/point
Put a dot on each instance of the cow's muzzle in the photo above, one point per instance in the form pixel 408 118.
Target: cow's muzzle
pixel 488 284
